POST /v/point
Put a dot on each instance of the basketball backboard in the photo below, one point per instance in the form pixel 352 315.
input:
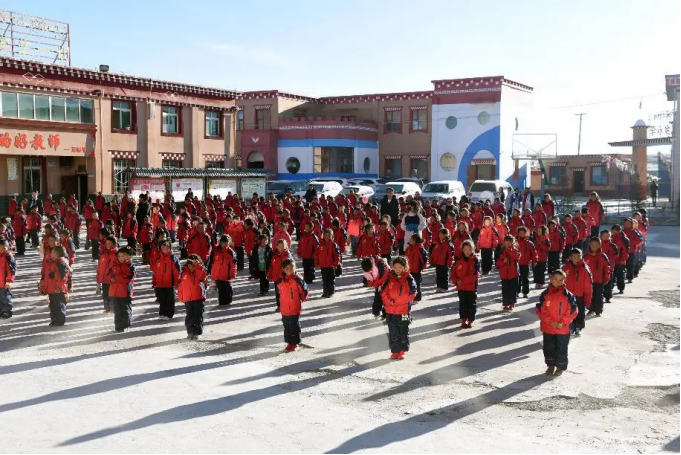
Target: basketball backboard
pixel 534 146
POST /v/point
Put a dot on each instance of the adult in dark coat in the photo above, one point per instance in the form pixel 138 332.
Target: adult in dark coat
pixel 390 206
pixel 143 209
pixel 653 192
pixel 310 193
pixel 36 202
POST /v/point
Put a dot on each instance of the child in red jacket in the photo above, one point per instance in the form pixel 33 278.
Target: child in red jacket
pixel 556 310
pixel 274 272
pixel 488 239
pixel 34 224
pixel 601 273
pixel 367 244
pixel 307 244
pixel 191 291
pixel 293 292
pixel 502 230
pixel 386 240
pixel 223 270
pixel 54 284
pixel 542 243
pixel 398 295
pixel 528 257
pixel 94 227
pixel 8 271
pixel 122 277
pixel 105 263
pixel 327 258
pixel 580 282
pixel 19 225
pixel 509 272
pixel 441 256
pixel 612 252
pixel 417 256
pixel 375 274
pixel 465 274
pixel 165 271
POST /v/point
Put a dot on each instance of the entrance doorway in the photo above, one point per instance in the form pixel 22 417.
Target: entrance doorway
pixel 578 177
pixel 255 160
pixel 82 191
pixel 69 185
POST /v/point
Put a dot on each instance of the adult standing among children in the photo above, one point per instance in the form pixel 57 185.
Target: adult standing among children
pixel 390 206
pixel 653 192
pixel 143 210
pixel 311 193
pixel 595 209
pixel 413 222
pixel 36 202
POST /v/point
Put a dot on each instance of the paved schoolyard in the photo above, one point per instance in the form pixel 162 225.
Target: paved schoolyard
pixel 83 388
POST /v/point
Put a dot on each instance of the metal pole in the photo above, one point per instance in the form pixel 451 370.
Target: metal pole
pixel 579 142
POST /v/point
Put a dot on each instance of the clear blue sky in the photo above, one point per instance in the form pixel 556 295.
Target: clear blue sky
pixel 572 52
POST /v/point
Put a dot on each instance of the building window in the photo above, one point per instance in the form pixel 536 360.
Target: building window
pixel 393 121
pixel 393 168
pixel 348 118
pixel 171 120
pixel 215 164
pixel 171 164
pixel 339 160
pixel 557 175
pixel 419 167
pixel 10 108
pixel 58 108
pixel 240 119
pixel 41 107
pixel 419 120
pixel 32 175
pixel 122 116
pixel 121 177
pixel 262 119
pixel 599 175
pixel 87 111
pixel 26 108
pixel 213 124
pixel 72 110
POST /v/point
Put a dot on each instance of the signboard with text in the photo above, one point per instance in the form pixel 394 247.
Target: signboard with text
pixel 250 186
pixel 179 188
pixel 34 38
pixel 25 142
pixel 221 187
pixel 155 187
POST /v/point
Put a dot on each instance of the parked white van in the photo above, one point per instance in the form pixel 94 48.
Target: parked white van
pixel 443 189
pixel 489 189
pixel 401 189
pixel 323 189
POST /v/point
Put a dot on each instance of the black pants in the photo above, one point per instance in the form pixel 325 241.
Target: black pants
pixel 398 332
pixel 631 266
pixel 475 234
pixel 524 279
pixel 21 246
pixel 509 291
pixel 566 252
pixel 291 329
pixel 308 271
pixel 122 312
pixel 264 282
pixel 95 249
pixel 173 235
pixel 580 321
pixel 400 246
pixel 497 252
pixel 5 303
pixel 487 259
pixel 76 239
pixel 597 299
pixel 193 319
pixel 329 280
pixel 108 306
pixel 607 287
pixel 619 276
pixel 539 273
pixel 33 236
pixel 166 301
pixel 377 305
pixel 441 278
pixel 239 250
pixel 553 261
pixel 468 304
pixel 58 308
pixel 132 243
pixel 417 279
pixel 224 292
pixel 388 258
pixel 556 350
pixel 594 232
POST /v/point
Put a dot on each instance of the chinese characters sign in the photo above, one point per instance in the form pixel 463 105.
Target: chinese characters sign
pixel 35 38
pixel 660 124
pixel 38 142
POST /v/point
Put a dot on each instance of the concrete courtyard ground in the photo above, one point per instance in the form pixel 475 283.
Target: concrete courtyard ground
pixel 82 388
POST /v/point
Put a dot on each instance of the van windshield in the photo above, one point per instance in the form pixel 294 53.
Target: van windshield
pixel 479 187
pixel 436 188
pixel 384 188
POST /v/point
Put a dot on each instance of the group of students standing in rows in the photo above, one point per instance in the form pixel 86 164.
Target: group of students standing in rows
pixel 459 239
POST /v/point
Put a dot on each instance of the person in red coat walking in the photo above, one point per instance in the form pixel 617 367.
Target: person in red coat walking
pixel 54 284
pixel 398 296
pixel 508 272
pixel 542 244
pixel 367 245
pixel 612 252
pixel 465 274
pixel 580 282
pixel 327 258
pixel 191 290
pixel 20 228
pixel 293 292
pixel 386 240
pixel 595 209
pixel 417 256
pixel 622 242
pixel 307 244
pixel 514 223
pixel 599 265
pixel 528 257
pixel 223 270
pixel 94 227
pixel 99 204
pixel 502 231
pixel 461 234
pixel 34 222
pixel 165 269
pixel 105 263
pixel 572 236
pixel 636 240
pixel 441 257
pixel 487 242
pixel 200 243
pixel 557 308
pixel 274 271
pixel 122 277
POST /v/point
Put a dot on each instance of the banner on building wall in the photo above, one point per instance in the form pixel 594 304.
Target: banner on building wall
pixel 221 187
pixel 250 186
pixel 180 187
pixel 12 168
pixel 155 187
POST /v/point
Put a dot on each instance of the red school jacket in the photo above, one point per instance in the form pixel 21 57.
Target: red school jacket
pixel 327 255
pixel 557 242
pixel 386 240
pixel 442 253
pixel 292 293
pixel 274 272
pixel 599 265
pixel 223 266
pixel 417 256
pixel 122 277
pixel 502 230
pixel 542 244
pixel 467 271
pixel 192 286
pixel 340 238
pixel 93 229
pixel 105 263
pixel 306 245
pixel 398 293
pixel 556 305
pixel 508 270
pixel 513 225
pixel 579 280
pixel 367 246
pixel 528 253
pixel 165 271
pixel 572 234
pixel 488 238
pixel 55 276
pixel 611 252
pixel 457 240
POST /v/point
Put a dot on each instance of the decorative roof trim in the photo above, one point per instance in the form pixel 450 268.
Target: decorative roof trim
pixel 418 157
pixel 644 142
pixel 578 168
pixel 197 172
pixel 393 157
pixel 557 164
pixel 484 161
pixel 418 108
pixel 214 158
pixel 123 155
pixel 328 127
pixel 406 96
pixel 262 107
pixel 392 108
pixel 173 156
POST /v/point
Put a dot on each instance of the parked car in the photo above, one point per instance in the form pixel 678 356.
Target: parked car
pixel 323 188
pixel 364 192
pixel 340 180
pixel 280 187
pixel 489 189
pixel 401 189
pixel 372 182
pixel 418 181
pixel 443 189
